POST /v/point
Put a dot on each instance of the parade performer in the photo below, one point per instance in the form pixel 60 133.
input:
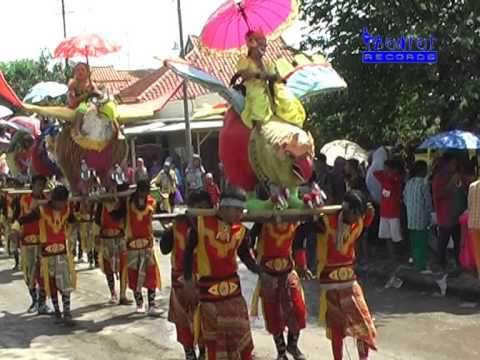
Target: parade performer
pixel 80 87
pixel 112 248
pixel 217 240
pixel 142 268
pixel 266 94
pixel 343 309
pixel 180 311
pixel 8 202
pixel 279 252
pixel 29 237
pixel 57 266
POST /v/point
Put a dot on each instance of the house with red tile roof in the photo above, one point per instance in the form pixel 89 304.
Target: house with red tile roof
pixel 111 79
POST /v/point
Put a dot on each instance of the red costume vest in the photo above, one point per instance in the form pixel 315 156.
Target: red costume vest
pixel 336 258
pixel 31 231
pixel 180 234
pixel 53 230
pixel 139 225
pixel 217 247
pixel 274 248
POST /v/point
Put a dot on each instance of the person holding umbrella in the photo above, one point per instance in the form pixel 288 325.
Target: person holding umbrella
pixel 85 46
pixel 266 94
pixel 81 86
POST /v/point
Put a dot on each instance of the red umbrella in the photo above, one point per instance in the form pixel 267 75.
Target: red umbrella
pixel 91 45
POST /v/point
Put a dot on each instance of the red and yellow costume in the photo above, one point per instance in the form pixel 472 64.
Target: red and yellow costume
pixel 30 244
pixel 112 249
pixel 84 229
pixel 8 210
pixel 57 261
pixel 342 304
pixel 180 311
pixel 281 292
pixel 142 268
pixel 225 325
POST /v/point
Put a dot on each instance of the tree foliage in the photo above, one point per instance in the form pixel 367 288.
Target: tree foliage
pixel 23 74
pixel 388 103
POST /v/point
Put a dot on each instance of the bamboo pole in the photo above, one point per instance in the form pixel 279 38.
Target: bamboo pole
pixel 264 216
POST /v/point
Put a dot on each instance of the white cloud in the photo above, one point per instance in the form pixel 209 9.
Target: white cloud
pixel 144 28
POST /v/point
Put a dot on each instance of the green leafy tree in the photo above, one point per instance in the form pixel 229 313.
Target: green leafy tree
pixel 24 73
pixel 391 103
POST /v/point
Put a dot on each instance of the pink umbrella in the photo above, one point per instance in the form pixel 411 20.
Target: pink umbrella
pixel 29 124
pixel 227 26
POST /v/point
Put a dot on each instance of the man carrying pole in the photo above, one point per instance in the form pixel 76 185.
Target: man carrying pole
pixel 57 266
pixel 142 269
pixel 181 311
pixel 279 252
pixel 223 311
pixel 29 238
pixel 112 248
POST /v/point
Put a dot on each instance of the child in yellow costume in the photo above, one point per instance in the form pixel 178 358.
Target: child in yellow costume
pixel 261 104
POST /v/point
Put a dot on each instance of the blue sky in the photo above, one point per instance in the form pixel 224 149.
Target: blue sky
pixel 144 28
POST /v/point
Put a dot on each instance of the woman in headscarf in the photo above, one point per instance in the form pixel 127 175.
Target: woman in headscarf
pixel 141 172
pixel 195 174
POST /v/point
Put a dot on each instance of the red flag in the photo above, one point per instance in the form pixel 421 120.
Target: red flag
pixel 7 93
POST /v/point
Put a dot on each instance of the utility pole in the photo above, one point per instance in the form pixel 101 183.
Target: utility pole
pixel 188 131
pixel 64 27
pixel 64 22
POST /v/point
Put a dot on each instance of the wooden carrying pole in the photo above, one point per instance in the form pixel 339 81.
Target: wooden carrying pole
pixel 264 216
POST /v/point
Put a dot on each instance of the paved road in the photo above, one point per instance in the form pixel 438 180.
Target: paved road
pixel 411 325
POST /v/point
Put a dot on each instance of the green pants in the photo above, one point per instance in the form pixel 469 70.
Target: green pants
pixel 419 241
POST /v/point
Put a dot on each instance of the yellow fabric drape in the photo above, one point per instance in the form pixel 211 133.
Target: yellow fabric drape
pixel 476 248
pixel 197 325
pixel 255 299
pixel 23 257
pixel 46 276
pixel 156 255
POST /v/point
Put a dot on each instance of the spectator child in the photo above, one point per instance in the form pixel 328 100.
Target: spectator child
pixel 212 189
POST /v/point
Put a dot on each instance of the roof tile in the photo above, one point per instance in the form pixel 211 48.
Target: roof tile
pixel 113 80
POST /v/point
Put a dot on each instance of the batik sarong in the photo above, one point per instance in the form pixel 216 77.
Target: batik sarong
pixel 346 309
pixel 283 303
